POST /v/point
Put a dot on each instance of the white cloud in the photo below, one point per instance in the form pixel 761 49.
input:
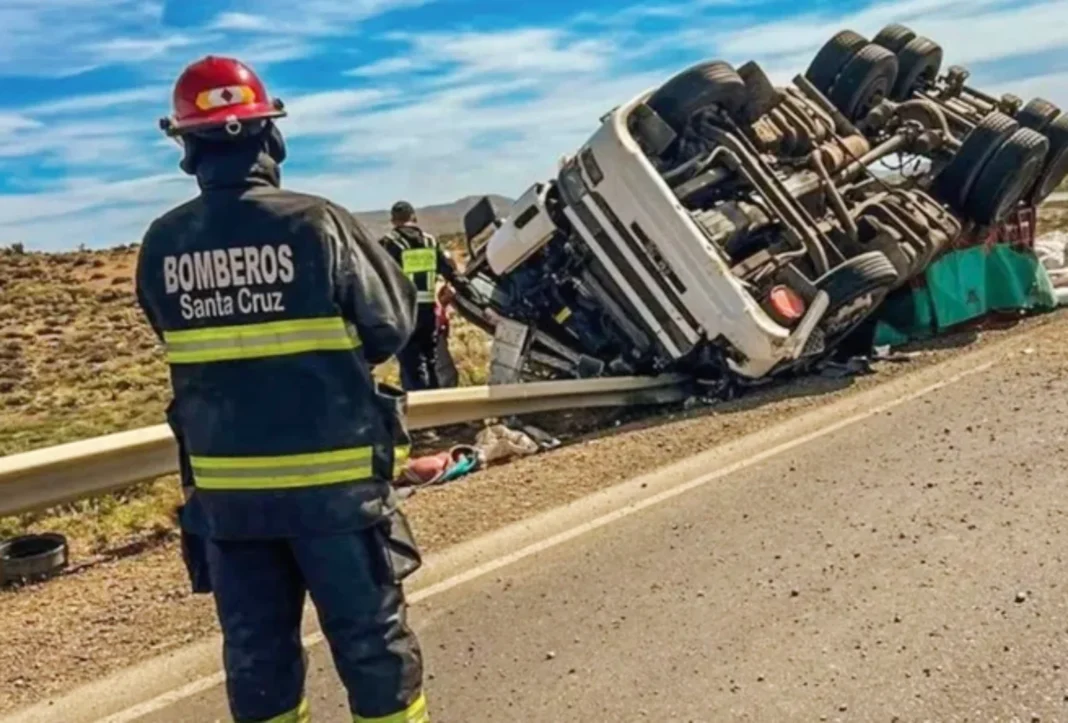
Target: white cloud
pixel 241 21
pixel 969 30
pixel 972 36
pixel 260 53
pixel 57 38
pixel 100 101
pixel 464 112
pixel 21 212
pixel 13 123
pixel 136 50
pixel 310 17
pixel 388 66
pixel 325 113
pixel 46 38
pixel 96 143
pixel 524 50
pixel 1052 87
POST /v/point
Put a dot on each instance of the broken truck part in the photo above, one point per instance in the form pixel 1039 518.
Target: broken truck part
pixel 723 227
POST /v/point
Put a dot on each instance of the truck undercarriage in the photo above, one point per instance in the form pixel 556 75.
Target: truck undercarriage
pixel 726 228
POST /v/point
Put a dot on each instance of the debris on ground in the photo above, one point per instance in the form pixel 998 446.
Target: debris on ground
pixel 1052 252
pixel 494 444
pixel 441 467
pixel 499 443
pixel 852 367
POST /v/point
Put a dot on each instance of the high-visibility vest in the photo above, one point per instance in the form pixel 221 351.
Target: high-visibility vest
pixel 418 252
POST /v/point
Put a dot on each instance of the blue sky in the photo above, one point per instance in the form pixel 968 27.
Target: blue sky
pixel 424 99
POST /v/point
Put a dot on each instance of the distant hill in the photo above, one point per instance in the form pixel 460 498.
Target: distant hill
pixel 440 220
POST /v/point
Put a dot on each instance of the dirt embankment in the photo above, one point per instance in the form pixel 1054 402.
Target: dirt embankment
pixel 77 360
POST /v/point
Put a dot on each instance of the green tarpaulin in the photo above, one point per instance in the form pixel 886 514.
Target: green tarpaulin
pixel 963 285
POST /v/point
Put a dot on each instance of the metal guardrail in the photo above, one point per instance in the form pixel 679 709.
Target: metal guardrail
pixel 51 476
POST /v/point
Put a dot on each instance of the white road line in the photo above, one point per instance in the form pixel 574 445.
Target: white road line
pixel 206 683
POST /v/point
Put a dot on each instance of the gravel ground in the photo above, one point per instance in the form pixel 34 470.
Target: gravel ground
pixel 115 612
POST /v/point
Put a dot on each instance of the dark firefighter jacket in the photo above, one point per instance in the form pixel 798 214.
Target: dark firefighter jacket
pixel 420 257
pixel 272 306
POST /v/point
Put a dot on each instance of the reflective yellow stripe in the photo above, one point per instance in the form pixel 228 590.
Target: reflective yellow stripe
pixel 424 297
pixel 256 341
pixel 400 459
pixel 563 315
pixel 283 472
pixel 291 471
pixel 419 261
pixel 300 714
pixel 415 713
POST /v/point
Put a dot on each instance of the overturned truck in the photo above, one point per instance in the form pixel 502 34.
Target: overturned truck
pixel 724 227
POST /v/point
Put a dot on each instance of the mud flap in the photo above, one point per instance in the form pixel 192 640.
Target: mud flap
pixel 509 352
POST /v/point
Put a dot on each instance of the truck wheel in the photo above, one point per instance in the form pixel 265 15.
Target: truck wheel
pixel 696 88
pixel 918 65
pixel 957 178
pixel 856 288
pixel 832 57
pixel 864 82
pixel 1007 176
pixel 1037 114
pixel 894 37
pixel 1056 168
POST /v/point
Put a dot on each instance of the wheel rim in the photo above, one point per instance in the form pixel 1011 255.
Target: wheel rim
pixel 925 78
pixel 873 95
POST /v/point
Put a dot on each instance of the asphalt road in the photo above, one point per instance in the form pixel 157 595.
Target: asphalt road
pixel 910 567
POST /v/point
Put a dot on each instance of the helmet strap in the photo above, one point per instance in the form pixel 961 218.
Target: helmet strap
pixel 188 162
pixel 276 144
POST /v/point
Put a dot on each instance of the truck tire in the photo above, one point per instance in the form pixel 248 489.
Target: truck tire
pixel 864 82
pixel 697 87
pixel 894 37
pixel 1056 168
pixel 918 65
pixel 1037 114
pixel 1007 176
pixel 832 57
pixel 956 179
pixel 856 287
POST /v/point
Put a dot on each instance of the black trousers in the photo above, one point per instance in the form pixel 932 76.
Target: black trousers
pixel 260 587
pixel 418 359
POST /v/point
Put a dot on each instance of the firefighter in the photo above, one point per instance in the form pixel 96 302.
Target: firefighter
pixel 271 306
pixel 422 259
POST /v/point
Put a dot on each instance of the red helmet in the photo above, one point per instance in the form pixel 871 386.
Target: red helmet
pixel 219 92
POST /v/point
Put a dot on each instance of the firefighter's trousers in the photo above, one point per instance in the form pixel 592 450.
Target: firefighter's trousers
pixel 418 359
pixel 260 589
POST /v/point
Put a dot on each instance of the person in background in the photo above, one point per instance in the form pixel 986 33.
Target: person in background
pixel 423 260
pixel 271 306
